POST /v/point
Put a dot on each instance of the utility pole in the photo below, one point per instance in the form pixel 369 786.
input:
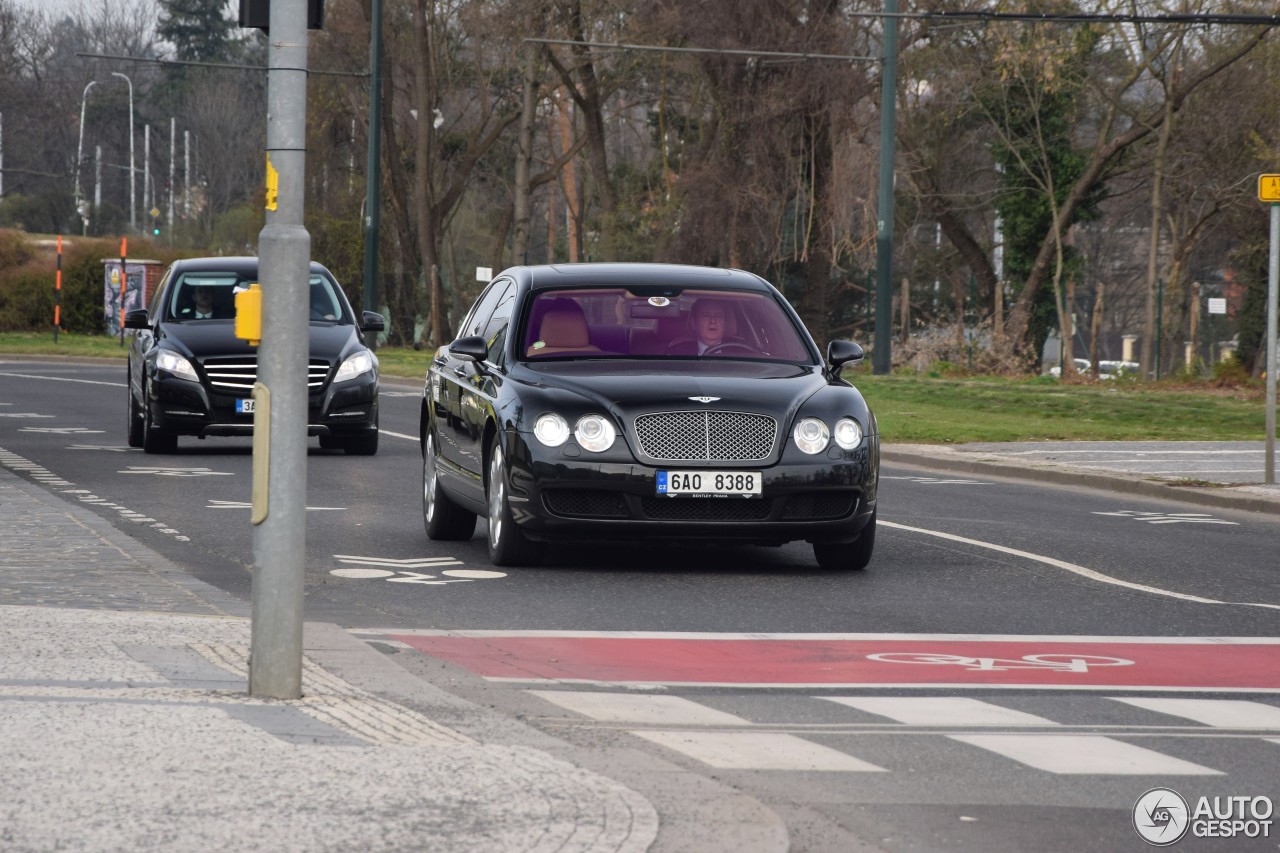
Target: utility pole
pixel 280 417
pixel 373 165
pixel 133 205
pixel 881 356
pixel 173 149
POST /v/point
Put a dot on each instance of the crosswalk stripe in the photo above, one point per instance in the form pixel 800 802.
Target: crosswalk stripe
pixel 632 708
pixel 757 751
pixel 1084 755
pixel 940 711
pixel 1219 713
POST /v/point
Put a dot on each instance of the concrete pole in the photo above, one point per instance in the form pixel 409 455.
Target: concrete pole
pixel 133 204
pixel 80 211
pixel 284 252
pixel 1273 284
pixel 173 151
pixel 97 179
pixel 186 174
pixel 147 198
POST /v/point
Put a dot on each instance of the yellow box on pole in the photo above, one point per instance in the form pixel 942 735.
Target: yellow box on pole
pixel 249 314
pixel 1269 188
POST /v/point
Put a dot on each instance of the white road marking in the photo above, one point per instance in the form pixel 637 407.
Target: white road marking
pixel 713 635
pixel 1167 517
pixel 23 415
pixel 1090 755
pixel 643 708
pixel 362 574
pixel 1219 713
pixel 64 379
pixel 115 448
pixel 1073 568
pixel 397 435
pixel 214 504
pixel 940 711
pixel 409 563
pixel 758 751
pixel 62 430
pixel 164 471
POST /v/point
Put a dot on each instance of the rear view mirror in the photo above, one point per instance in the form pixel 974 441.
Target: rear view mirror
pixel 470 348
pixel 840 353
pixel 372 321
pixel 137 319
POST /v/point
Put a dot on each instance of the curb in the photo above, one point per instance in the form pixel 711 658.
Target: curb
pixel 1221 497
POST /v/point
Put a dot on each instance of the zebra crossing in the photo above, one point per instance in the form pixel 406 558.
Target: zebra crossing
pixel 1081 738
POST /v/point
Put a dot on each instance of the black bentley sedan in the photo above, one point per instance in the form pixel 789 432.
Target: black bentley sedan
pixel 641 401
pixel 190 375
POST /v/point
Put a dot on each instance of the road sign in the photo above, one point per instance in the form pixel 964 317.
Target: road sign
pixel 1269 188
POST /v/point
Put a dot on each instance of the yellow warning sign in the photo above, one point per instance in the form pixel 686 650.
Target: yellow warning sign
pixel 1269 188
pixel 273 185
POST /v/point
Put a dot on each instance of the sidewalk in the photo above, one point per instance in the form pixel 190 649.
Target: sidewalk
pixel 1226 475
pixel 125 722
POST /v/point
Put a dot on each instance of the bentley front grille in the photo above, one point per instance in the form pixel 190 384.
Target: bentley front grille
pixel 706 436
pixel 238 373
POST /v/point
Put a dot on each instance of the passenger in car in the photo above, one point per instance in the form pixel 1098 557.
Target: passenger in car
pixel 713 325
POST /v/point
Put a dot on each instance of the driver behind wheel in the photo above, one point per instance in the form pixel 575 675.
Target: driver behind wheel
pixel 712 326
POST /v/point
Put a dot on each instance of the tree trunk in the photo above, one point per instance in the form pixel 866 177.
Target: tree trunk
pixel 1153 248
pixel 522 207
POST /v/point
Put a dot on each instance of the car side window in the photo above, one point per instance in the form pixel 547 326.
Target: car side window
pixel 478 319
pixel 157 298
pixel 495 331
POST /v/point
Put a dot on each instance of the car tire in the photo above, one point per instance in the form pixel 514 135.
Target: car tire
pixel 508 546
pixel 848 556
pixel 135 425
pixel 442 518
pixel 361 445
pixel 154 439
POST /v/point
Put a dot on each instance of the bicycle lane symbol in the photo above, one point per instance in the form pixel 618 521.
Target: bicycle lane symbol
pixel 1042 662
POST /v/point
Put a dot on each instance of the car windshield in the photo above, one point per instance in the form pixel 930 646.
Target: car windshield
pixel 616 322
pixel 211 296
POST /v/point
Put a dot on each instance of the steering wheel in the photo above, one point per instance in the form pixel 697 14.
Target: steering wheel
pixel 730 346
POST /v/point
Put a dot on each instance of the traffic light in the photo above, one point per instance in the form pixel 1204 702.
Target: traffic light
pixel 257 13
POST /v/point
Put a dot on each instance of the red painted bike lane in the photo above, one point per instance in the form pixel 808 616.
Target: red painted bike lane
pixel 869 661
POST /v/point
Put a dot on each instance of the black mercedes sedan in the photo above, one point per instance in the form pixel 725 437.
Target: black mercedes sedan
pixel 190 375
pixel 643 401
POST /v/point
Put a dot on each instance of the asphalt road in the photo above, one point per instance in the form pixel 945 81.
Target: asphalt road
pixel 957 751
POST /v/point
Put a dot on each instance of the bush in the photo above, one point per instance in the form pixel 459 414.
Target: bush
pixel 1230 373
pixel 28 273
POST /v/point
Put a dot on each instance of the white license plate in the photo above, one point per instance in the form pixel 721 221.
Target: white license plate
pixel 709 484
pixel 244 407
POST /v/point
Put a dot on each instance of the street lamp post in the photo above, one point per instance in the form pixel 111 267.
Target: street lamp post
pixel 80 155
pixel 133 209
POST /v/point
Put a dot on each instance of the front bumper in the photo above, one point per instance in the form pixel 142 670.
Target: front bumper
pixel 184 407
pixel 556 495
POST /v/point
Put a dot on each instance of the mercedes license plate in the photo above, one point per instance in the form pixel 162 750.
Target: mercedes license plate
pixel 244 407
pixel 709 484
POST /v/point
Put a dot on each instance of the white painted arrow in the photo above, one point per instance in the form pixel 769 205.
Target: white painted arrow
pixel 61 430
pixel 213 504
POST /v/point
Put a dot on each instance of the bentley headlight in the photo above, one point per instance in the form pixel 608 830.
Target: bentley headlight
pixel 595 433
pixel 848 433
pixel 357 364
pixel 811 435
pixel 551 429
pixel 176 364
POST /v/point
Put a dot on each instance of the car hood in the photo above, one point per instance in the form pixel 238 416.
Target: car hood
pixel 217 337
pixel 626 389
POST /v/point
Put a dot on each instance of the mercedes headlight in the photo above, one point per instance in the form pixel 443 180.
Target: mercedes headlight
pixel 361 362
pixel 848 433
pixel 811 435
pixel 595 433
pixel 176 364
pixel 551 429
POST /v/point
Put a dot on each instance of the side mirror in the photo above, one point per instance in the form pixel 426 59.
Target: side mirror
pixel 470 348
pixel 841 353
pixel 372 321
pixel 137 319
